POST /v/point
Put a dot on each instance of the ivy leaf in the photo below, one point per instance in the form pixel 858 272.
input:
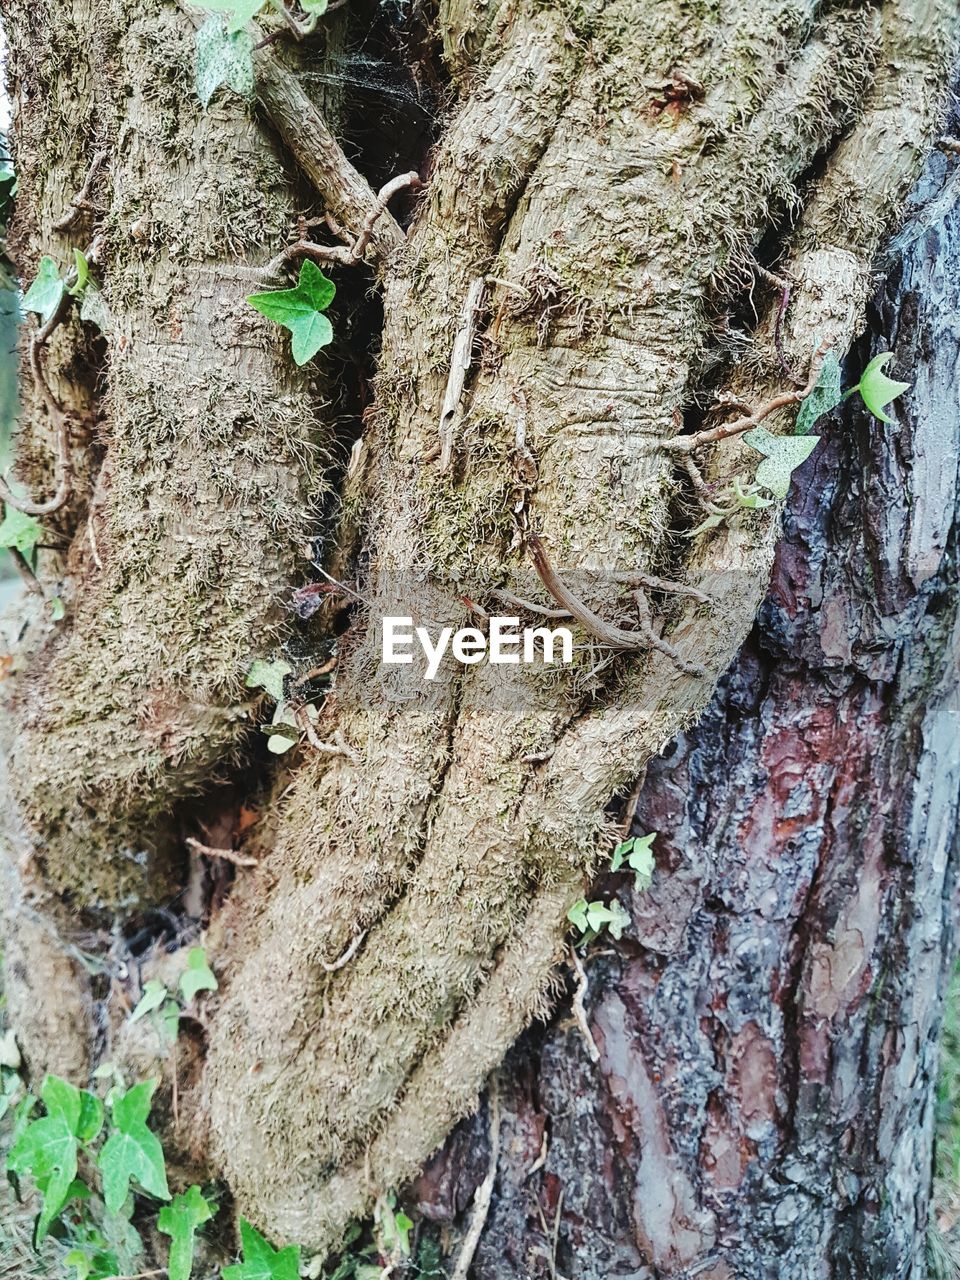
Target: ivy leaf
pixel 299 310
pixel 782 455
pixel 614 917
pixel 711 522
pixel 877 389
pixel 638 856
pixel 168 1021
pixel 46 293
pixel 93 1266
pixel 269 676
pixel 180 1220
pixel 47 1148
pixel 20 531
pixel 198 976
pixel 154 994
pixel 577 915
pixel 261 1261
pixel 83 274
pixel 132 1151
pixel 223 58
pixel 824 396
pixel 241 11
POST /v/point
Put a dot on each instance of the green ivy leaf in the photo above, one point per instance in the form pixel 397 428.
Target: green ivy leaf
pixel 132 1152
pixel 180 1220
pixel 46 293
pixel 223 58
pixel 782 455
pixel 577 915
pixel 638 856
pixel 613 917
pixel 824 396
pixel 240 11
pixel 47 1148
pixel 83 274
pixel 168 1021
pixel 877 389
pixel 262 1262
pixel 300 310
pixel 269 676
pixel 198 976
pixel 20 531
pixel 154 994
pixel 711 522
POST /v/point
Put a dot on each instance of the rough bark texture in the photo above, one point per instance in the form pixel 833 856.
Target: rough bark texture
pixel 768 1030
pixel 617 220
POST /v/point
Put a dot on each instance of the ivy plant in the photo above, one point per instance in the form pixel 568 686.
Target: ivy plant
pixel 20 532
pixel 180 1220
pixel 132 1153
pixel 876 389
pixel 636 853
pixel 46 292
pixel 223 57
pixel 260 1261
pixel 781 455
pixel 591 918
pixel 225 48
pixel 283 731
pixel 163 1006
pixel 300 310
pixel 49 288
pixel 47 1149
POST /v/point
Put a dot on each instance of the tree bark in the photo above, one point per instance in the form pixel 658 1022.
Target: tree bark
pixel 607 175
pixel 763 1103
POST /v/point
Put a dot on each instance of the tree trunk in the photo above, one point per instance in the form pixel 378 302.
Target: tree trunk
pixel 596 210
pixel 763 1103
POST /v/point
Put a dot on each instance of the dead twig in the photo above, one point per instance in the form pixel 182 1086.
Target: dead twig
pixel 541 1159
pixel 82 199
pixel 783 400
pixel 508 597
pixel 608 634
pixel 335 748
pixel 30 579
pixel 657 642
pixel 224 855
pixel 347 956
pixel 784 287
pixel 579 1011
pixel 552 1235
pixel 461 359
pixel 636 577
pixel 352 252
pixel 951 146
pixel 58 416
pixel 481 1201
